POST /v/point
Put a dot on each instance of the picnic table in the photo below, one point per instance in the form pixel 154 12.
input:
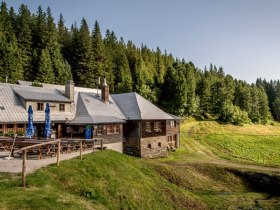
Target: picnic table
pixel 67 146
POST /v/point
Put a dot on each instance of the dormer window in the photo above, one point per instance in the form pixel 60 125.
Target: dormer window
pixel 61 107
pixel 40 106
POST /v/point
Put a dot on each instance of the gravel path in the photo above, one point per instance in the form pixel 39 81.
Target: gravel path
pixel 15 165
pixel 32 164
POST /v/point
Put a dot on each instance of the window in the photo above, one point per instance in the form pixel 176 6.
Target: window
pixel 40 106
pixel 110 129
pixel 113 129
pixel 148 127
pixel 2 108
pixel 62 107
pixel 157 127
pixel 169 138
pixel 9 126
pixel 159 144
pixel 19 125
pixel 172 123
pixel 117 129
pixel 149 146
pixel 100 130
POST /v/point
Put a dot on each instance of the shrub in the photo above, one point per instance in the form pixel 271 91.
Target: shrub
pixel 20 133
pixel 233 114
pixel 9 134
pixel 36 84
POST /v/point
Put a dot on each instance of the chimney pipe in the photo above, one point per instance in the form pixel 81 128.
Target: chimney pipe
pixel 69 89
pixel 105 91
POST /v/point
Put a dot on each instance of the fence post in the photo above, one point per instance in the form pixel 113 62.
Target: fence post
pixel 24 169
pixel 81 149
pixel 58 153
pixel 101 144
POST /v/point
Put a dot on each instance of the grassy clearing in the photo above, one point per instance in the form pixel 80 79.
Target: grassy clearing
pixel 184 180
pixel 109 180
pixel 258 144
pixel 106 180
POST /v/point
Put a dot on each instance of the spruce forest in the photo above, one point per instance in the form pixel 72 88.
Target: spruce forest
pixel 34 47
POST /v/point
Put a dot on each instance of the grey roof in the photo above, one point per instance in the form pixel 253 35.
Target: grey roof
pixel 14 110
pixel 177 118
pixel 87 107
pixel 135 107
pixel 41 95
pixel 92 110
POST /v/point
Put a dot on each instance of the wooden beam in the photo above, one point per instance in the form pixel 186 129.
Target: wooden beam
pixel 101 144
pixel 81 149
pixel 24 168
pixel 58 153
pixel 39 145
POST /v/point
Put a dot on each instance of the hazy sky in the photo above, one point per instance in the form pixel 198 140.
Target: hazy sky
pixel 243 36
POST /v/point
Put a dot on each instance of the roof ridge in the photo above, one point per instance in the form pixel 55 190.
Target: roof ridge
pixel 79 96
pixel 136 94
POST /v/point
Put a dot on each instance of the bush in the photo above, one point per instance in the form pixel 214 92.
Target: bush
pixel 9 134
pixel 20 133
pixel 36 84
pixel 233 114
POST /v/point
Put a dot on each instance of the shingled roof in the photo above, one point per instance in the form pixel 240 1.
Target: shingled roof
pixel 92 110
pixel 135 107
pixel 87 107
pixel 41 95
pixel 12 108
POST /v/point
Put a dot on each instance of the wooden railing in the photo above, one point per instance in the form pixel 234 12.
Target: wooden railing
pixel 24 155
pixel 56 142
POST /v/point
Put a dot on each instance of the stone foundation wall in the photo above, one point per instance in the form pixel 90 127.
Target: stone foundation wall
pixel 154 147
pixel 118 147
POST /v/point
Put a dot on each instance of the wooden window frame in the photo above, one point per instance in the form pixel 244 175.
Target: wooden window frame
pixel 62 107
pixel 110 129
pixel 148 127
pixel 157 127
pixel 40 106
pixel 117 129
pixel 99 130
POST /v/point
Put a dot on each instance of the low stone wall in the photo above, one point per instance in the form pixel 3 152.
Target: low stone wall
pixel 118 147
pixel 154 147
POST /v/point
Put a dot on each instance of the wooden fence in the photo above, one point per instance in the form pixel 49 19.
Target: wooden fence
pixel 24 151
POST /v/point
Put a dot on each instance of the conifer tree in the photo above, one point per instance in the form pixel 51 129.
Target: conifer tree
pixel 24 37
pixel 10 59
pixel 82 64
pixel 45 71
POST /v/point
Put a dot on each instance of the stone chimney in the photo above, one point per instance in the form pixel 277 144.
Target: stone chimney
pixel 69 90
pixel 105 91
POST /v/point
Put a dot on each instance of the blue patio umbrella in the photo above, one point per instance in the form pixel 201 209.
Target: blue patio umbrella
pixel 47 130
pixel 30 127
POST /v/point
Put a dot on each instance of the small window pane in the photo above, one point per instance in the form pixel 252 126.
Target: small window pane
pixel 61 107
pixel 40 106
pixel 100 130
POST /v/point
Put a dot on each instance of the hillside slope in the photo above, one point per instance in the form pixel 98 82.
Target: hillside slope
pixel 187 179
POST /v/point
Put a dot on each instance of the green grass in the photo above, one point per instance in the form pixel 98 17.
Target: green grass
pixel 104 180
pixel 184 180
pixel 257 144
pixel 258 149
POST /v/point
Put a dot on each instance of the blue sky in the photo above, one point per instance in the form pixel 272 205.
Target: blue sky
pixel 243 36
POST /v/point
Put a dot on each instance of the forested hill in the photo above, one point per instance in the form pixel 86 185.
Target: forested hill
pixel 35 48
